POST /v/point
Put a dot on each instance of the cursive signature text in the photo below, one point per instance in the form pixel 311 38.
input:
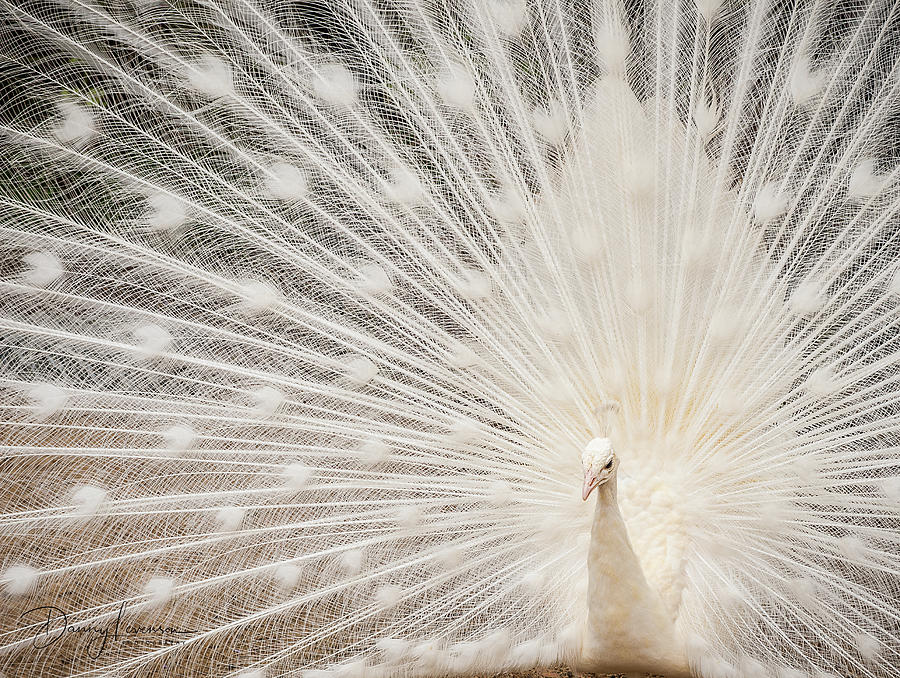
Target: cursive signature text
pixel 54 625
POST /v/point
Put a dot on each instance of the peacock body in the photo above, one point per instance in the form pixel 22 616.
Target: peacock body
pixel 315 315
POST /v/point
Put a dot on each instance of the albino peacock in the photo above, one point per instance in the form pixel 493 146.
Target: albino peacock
pixel 320 320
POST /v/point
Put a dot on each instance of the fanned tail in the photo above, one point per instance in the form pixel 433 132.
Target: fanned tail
pixel 308 313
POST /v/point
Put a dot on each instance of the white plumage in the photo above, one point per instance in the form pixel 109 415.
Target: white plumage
pixel 315 316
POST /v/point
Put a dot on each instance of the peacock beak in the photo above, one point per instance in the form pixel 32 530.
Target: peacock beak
pixel 590 482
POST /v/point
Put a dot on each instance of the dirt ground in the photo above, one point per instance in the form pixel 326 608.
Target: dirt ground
pixel 554 672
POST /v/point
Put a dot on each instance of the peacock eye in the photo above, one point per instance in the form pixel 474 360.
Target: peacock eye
pixel 608 464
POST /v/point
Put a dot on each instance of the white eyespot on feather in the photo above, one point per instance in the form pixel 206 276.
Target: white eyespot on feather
pixel 789 672
pixel 19 579
pixel 639 175
pixel 43 269
pixel 388 596
pixel 533 582
pixel 88 499
pixel 287 575
pixel 296 475
pixel 708 8
pixel 451 556
pixel 404 187
pixel 229 518
pixel 266 401
pixel 864 183
pixel 774 512
pixel 465 430
pixel 253 673
pixel 374 451
pixel 890 488
pixel 805 591
pixel 286 182
pixel 807 298
pixel 770 203
pixel 706 114
pixel 394 650
pixel 336 85
pixel 77 125
pixel 374 280
pixel 508 207
pixel 211 76
pixel 409 516
pixel 152 340
pixel 853 548
pixel 179 438
pixel 868 647
pixel 46 399
pixel 456 87
pixel 473 285
pixel 730 596
pixel 638 296
pixel 822 382
pixel 507 15
pixel 806 468
pixel 551 121
pixel 500 492
pixel 159 590
pixel 361 370
pixel 166 212
pixel 352 561
pixel 804 82
pixel 462 356
pixel 257 296
pixel 724 326
pixel 613 47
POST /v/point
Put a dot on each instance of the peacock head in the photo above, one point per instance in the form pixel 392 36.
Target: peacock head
pixel 599 462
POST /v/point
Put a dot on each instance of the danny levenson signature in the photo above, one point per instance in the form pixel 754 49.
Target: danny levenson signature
pixel 55 626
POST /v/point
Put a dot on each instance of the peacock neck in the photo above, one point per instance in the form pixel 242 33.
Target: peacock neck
pixel 628 629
